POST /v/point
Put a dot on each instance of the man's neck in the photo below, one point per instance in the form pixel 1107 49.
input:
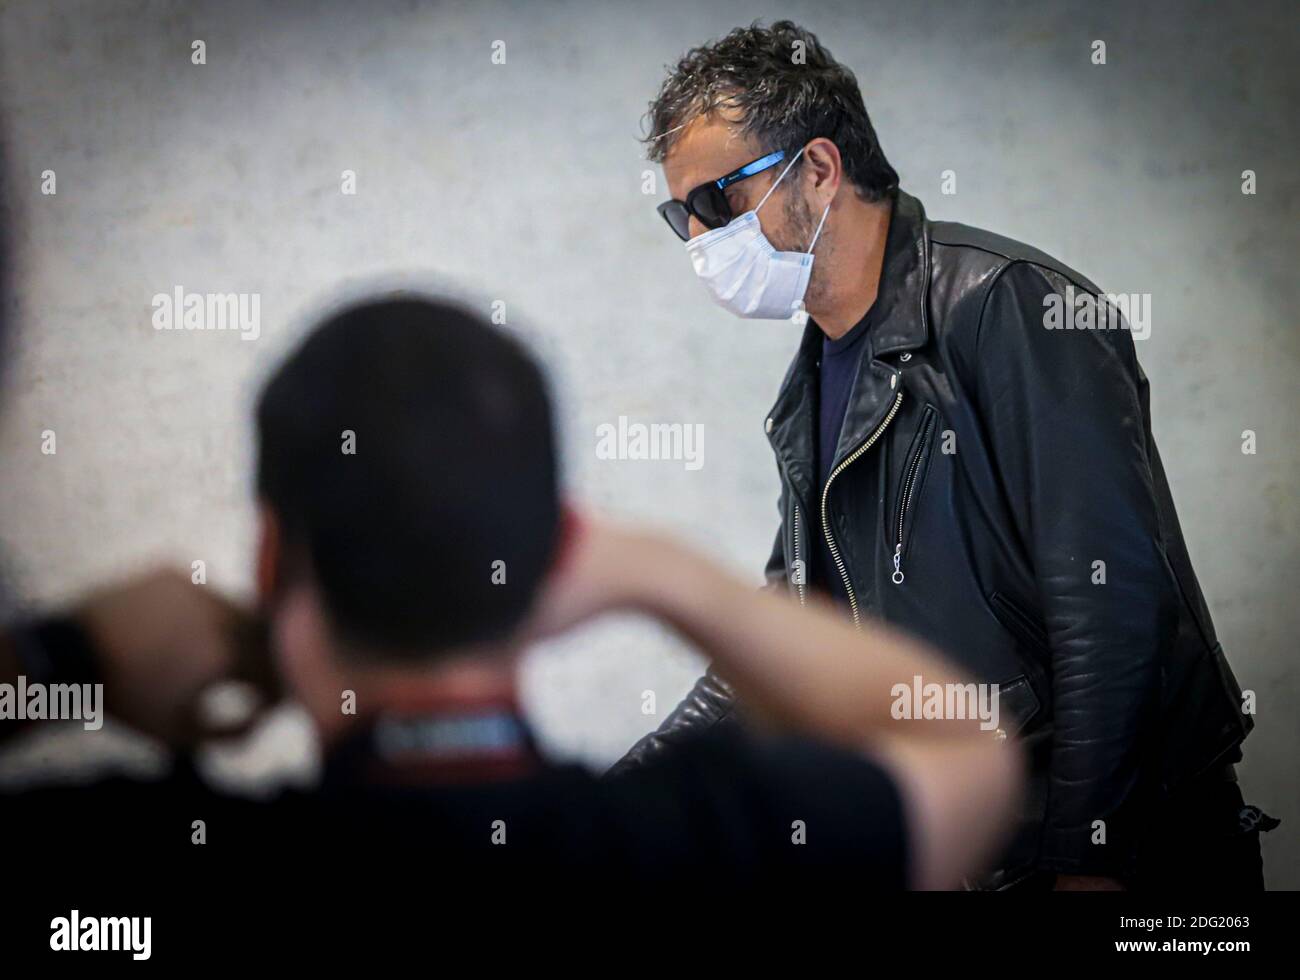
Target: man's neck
pixel 456 725
pixel 852 277
pixel 459 685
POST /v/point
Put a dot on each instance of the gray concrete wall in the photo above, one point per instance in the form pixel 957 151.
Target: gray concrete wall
pixel 523 182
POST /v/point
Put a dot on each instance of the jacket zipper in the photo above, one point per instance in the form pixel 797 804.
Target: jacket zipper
pixel 798 585
pixel 826 527
pixel 909 484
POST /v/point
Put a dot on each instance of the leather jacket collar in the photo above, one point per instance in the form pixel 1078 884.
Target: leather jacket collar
pixel 900 323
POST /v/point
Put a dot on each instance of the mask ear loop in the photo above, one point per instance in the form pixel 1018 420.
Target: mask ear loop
pixel 778 180
pixel 819 229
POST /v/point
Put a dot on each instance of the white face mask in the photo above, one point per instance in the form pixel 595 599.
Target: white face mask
pixel 745 273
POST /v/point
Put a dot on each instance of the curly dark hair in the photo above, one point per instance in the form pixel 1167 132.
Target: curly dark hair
pixel 786 90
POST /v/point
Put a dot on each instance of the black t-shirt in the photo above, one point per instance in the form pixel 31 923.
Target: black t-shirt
pixel 836 374
pixel 728 802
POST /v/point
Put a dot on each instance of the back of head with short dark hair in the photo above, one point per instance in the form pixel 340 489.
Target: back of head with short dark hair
pixel 454 470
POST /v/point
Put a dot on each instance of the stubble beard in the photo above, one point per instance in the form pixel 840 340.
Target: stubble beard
pixel 801 224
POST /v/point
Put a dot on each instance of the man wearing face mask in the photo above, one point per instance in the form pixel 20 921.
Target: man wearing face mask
pixel 953 463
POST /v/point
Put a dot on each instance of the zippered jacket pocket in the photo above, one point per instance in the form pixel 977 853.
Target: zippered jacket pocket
pixel 918 461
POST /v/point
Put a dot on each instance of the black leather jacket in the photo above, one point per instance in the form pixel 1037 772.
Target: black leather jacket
pixel 996 490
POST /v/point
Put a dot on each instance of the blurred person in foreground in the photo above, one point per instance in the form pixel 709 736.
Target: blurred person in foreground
pixel 399 583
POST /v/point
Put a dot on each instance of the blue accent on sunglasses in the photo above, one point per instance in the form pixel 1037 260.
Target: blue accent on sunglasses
pixel 749 169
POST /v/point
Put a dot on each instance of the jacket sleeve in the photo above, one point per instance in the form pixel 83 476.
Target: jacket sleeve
pixel 1062 411
pixel 709 702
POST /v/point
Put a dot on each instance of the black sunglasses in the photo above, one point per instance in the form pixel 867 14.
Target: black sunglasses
pixel 708 203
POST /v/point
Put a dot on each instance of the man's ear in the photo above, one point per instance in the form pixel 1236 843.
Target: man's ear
pixel 270 550
pixel 825 168
pixel 568 533
pixel 306 659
